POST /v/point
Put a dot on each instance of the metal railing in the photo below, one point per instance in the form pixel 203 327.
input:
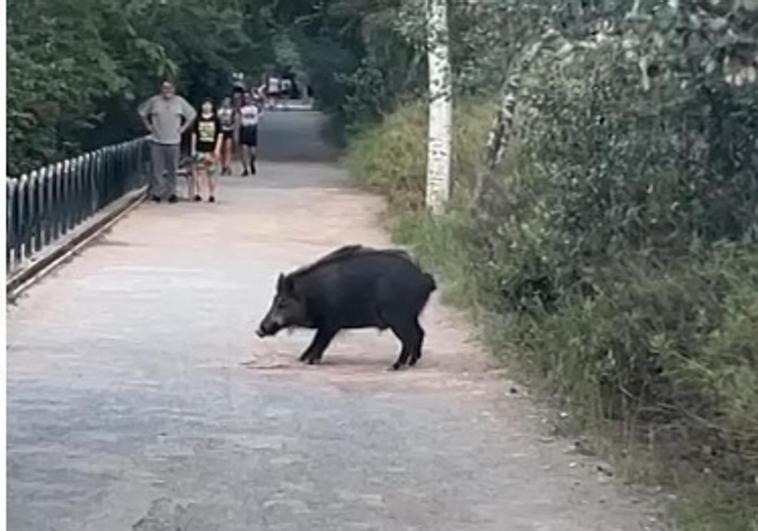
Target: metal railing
pixel 43 205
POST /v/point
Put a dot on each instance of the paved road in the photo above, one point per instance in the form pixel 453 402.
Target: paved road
pixel 139 398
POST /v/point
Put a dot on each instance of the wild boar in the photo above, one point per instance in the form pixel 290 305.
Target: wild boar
pixel 353 287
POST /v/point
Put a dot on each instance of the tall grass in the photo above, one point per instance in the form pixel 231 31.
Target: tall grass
pixel 389 158
pixel 656 343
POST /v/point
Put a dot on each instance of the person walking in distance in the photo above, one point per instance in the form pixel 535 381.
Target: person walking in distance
pixel 207 137
pixel 259 98
pixel 249 133
pixel 166 116
pixel 238 92
pixel 228 118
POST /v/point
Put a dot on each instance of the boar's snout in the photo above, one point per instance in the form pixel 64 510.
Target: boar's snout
pixel 265 329
pixel 269 326
pixel 287 310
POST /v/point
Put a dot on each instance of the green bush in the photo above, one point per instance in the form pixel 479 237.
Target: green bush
pixel 78 69
pixel 391 158
pixel 619 265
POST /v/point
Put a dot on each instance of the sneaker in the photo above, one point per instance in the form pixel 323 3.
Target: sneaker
pixel 173 198
pixel 155 199
pixel 198 198
pixel 244 173
pixel 211 199
pixel 252 169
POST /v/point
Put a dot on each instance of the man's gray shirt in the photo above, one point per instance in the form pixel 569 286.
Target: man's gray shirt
pixel 165 117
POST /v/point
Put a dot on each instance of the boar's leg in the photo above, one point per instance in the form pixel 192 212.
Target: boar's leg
pixel 416 354
pixel 409 337
pixel 321 340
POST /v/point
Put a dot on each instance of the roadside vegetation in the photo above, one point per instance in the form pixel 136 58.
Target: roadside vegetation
pixel 604 234
pixel 611 255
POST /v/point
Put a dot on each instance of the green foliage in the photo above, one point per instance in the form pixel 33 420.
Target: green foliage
pixel 670 352
pixel 617 256
pixel 390 158
pixel 326 61
pixel 383 159
pixel 617 250
pixel 362 57
pixel 77 69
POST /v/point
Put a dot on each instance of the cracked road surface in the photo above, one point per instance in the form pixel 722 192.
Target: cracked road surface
pixel 139 397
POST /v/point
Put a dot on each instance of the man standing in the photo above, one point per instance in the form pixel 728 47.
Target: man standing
pixel 167 116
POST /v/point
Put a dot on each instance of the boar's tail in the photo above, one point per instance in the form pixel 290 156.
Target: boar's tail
pixel 432 283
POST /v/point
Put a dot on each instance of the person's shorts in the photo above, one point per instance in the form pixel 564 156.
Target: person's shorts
pixel 205 161
pixel 249 136
pixel 227 134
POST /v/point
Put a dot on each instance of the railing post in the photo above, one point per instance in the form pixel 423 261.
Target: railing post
pixel 22 208
pixel 54 200
pixel 95 172
pixel 10 215
pixel 48 181
pixel 67 218
pixel 105 177
pixel 21 243
pixel 33 213
pixel 50 205
pixel 59 206
pixel 130 161
pixel 89 162
pixel 43 207
pixel 120 171
pixel 78 204
pixel 147 161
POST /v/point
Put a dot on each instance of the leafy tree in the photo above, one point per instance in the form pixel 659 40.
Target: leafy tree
pixel 77 69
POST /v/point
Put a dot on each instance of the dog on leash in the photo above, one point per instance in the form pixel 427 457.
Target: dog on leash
pixel 186 166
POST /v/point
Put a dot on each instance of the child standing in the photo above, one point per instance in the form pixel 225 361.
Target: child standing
pixel 207 138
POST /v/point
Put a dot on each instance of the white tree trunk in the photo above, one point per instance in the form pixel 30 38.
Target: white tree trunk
pixel 440 108
pixel 503 125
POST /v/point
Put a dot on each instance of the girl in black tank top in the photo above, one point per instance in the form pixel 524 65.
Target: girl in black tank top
pixel 227 116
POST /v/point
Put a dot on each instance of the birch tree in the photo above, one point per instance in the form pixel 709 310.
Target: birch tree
pixel 440 108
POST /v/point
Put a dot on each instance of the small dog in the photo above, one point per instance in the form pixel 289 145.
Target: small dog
pixel 185 170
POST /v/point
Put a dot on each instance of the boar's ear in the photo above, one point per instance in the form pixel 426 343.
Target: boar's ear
pixel 285 285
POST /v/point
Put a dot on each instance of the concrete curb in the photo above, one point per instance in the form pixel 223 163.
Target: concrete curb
pixel 35 269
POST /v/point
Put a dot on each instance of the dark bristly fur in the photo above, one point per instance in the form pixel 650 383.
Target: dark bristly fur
pixel 353 287
pixel 344 253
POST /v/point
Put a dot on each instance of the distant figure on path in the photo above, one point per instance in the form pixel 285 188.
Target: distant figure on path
pixel 249 133
pixel 229 118
pixel 167 116
pixel 273 91
pixel 238 92
pixel 259 97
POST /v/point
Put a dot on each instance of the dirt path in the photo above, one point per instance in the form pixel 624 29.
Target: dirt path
pixel 138 396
